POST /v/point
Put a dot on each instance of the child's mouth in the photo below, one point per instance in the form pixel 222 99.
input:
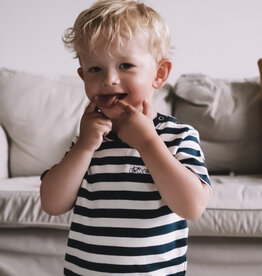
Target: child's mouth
pixel 107 101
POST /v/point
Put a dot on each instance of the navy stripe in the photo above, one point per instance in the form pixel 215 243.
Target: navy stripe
pixel 118 177
pixel 205 178
pixel 190 151
pixel 191 138
pixel 181 273
pixel 122 213
pixel 116 144
pixel 128 232
pixel 173 143
pixel 192 161
pixel 117 160
pixel 114 268
pixel 169 130
pixel 68 272
pixel 118 195
pixel 127 251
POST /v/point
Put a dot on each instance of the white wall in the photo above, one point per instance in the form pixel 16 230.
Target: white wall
pixel 221 38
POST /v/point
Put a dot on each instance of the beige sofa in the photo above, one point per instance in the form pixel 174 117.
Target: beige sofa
pixel 39 116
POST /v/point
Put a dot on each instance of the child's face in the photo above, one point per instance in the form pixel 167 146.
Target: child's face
pixel 127 73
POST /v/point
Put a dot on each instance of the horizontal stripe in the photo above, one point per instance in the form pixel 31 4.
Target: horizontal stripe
pixel 189 151
pixel 127 260
pixel 172 130
pixel 113 145
pixel 121 213
pixel 191 138
pixel 114 268
pixel 192 161
pixel 118 177
pixel 126 251
pixel 117 160
pixel 127 223
pixel 118 186
pixel 120 204
pixel 129 242
pixel 116 258
pixel 173 143
pixel 119 195
pixel 204 178
pixel 128 232
pixel 116 152
pixel 125 168
pixel 68 272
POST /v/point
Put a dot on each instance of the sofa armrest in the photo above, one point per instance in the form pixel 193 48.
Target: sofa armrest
pixel 3 154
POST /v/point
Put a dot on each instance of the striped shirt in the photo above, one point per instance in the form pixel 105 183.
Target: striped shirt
pixel 120 225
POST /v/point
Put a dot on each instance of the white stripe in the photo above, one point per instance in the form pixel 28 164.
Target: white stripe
pixel 167 270
pixel 169 137
pixel 114 168
pixel 164 125
pixel 127 260
pixel 116 152
pixel 119 186
pixel 120 204
pixel 127 223
pixel 129 242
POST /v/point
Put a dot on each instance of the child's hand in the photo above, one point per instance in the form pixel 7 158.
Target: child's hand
pixel 133 127
pixel 93 126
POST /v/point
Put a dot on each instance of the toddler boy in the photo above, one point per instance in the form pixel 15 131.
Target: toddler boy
pixel 133 176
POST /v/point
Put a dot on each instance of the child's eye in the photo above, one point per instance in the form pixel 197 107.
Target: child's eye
pixel 125 66
pixel 94 69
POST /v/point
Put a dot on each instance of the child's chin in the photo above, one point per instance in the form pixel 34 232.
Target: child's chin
pixel 111 113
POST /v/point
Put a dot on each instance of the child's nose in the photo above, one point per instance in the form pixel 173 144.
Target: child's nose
pixel 111 78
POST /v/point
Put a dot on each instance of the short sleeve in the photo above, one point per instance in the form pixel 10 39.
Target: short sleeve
pixel 190 154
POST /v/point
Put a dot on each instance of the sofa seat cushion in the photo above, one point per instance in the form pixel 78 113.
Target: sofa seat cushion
pixel 20 205
pixel 235 208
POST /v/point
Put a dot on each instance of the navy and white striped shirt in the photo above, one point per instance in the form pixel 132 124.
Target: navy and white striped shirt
pixel 120 225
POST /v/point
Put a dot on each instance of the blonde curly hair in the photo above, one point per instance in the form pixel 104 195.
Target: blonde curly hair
pixel 115 20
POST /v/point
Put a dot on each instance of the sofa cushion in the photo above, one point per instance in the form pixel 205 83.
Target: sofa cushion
pixel 227 114
pixel 20 205
pixel 40 116
pixel 235 208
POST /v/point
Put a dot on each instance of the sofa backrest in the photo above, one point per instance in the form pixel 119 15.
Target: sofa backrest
pixel 40 117
pixel 228 115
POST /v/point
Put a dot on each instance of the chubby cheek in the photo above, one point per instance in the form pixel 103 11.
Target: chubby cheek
pixel 89 91
pixel 143 90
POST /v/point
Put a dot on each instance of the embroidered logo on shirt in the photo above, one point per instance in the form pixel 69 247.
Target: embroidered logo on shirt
pixel 138 170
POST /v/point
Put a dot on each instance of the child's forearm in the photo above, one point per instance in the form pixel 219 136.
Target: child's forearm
pixel 60 185
pixel 181 189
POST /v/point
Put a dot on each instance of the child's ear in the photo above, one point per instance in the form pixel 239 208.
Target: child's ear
pixel 80 73
pixel 162 73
